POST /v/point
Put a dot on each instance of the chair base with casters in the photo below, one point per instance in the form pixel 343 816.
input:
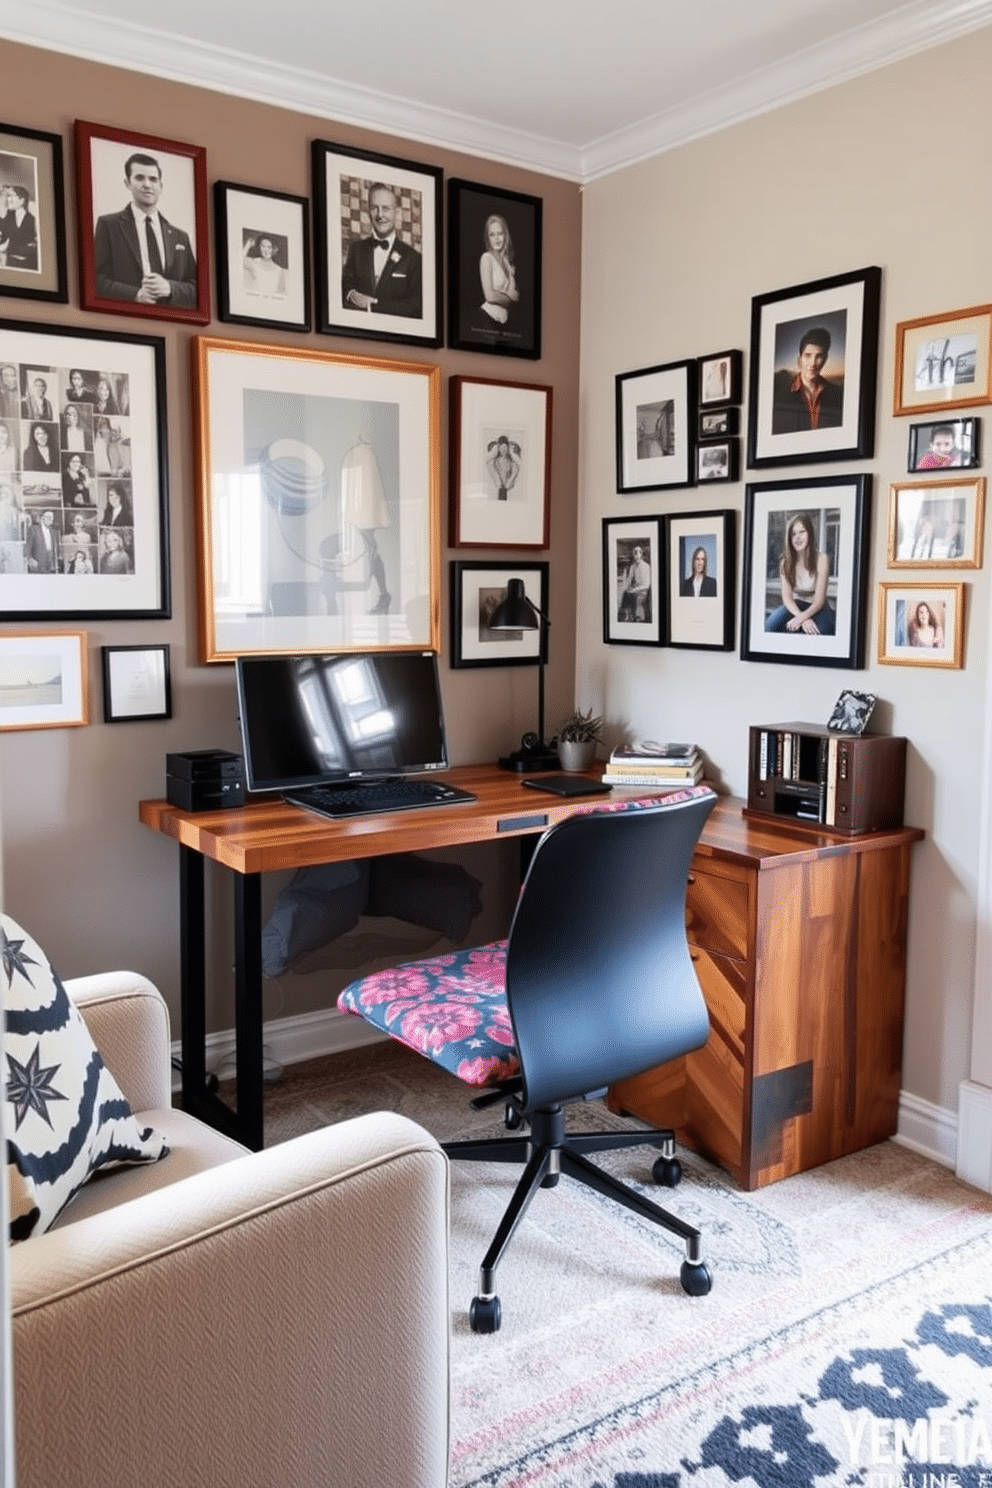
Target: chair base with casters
pixel 594 984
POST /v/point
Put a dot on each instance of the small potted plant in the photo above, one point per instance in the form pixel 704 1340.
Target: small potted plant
pixel 576 740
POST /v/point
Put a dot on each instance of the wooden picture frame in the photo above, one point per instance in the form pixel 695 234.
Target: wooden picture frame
pixel 700 579
pixel 633 581
pixel 262 256
pixel 721 378
pixel 907 638
pixel 835 513
pixel 936 524
pixel 943 361
pixel 477 587
pixel 494 270
pixel 500 463
pixel 351 186
pixel 44 680
pixel 945 444
pixel 115 266
pixel 835 320
pixel 136 683
pixel 656 427
pixel 84 508
pixel 31 170
pixel 318 496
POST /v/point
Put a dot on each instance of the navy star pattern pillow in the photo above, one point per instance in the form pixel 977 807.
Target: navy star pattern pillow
pixel 65 1115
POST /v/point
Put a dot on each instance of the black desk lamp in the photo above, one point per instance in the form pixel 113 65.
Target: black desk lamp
pixel 517 612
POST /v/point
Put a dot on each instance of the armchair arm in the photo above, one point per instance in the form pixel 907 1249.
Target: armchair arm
pixel 282 1320
pixel 129 1022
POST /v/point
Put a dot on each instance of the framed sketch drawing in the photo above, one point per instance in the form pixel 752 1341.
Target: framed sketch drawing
pixel 500 463
pixel 494 270
pixel 633 581
pixel 806 561
pixel 655 427
pixel 477 588
pixel 944 361
pixel 142 204
pixel 83 476
pixel 377 225
pixel 700 573
pixel 263 257
pixel 814 367
pixel 32 207
pixel 937 524
pixel 136 683
pixel 44 681
pixel 921 625
pixel 319 500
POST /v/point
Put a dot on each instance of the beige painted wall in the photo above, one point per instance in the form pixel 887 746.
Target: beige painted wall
pixel 884 170
pixel 97 888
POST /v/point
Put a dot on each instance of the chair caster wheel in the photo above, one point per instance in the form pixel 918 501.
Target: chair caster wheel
pixel 667 1171
pixel 695 1279
pixel 485 1315
pixel 512 1118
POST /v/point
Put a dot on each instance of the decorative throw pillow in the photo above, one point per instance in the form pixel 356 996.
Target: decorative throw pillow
pixel 65 1114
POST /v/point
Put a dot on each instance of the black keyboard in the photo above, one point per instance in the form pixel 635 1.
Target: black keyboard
pixel 377 798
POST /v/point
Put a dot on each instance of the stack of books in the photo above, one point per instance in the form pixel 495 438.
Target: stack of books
pixel 674 766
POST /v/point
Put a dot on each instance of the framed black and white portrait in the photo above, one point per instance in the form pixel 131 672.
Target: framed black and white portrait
pixel 500 463
pixel 633 581
pixel 494 270
pixel 32 215
pixel 263 257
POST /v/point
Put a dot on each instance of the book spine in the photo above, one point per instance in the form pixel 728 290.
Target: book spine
pixel 830 804
pixel 763 755
pixel 659 782
pixel 677 772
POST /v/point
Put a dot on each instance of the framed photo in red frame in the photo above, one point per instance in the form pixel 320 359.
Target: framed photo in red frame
pixel 142 222
pixel 500 463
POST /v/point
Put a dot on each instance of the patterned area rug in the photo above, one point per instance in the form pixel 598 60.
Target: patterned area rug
pixel 847 1339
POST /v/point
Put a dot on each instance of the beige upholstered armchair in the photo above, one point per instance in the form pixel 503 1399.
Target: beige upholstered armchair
pixel 276 1319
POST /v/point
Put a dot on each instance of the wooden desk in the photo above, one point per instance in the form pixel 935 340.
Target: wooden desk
pixel 799 938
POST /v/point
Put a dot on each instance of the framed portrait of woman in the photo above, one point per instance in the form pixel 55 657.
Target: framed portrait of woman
pixel 494 270
pixel 806 558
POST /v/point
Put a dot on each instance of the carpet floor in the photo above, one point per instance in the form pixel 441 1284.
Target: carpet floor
pixel 847 1338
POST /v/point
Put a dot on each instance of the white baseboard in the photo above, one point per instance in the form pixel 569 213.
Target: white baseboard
pixel 291 1040
pixel 929 1130
pixel 974 1164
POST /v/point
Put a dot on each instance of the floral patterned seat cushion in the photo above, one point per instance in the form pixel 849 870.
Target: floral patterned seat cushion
pixel 451 1008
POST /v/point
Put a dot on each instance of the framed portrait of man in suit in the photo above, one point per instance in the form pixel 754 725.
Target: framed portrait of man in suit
pixel 142 204
pixel 377 232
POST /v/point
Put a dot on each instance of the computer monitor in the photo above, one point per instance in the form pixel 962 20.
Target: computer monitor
pixel 309 720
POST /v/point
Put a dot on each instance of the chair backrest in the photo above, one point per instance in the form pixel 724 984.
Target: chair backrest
pixel 599 979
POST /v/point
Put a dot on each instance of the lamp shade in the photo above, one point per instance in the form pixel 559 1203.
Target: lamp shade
pixel 363 500
pixel 516 611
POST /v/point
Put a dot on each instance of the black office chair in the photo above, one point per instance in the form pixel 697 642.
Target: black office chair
pixel 595 984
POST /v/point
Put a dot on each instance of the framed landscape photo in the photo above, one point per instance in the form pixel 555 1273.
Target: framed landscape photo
pixel 500 463
pixel 377 227
pixel 806 559
pixel 947 444
pixel 84 500
pixel 700 573
pixel 720 379
pixel 494 270
pixel 944 361
pixel 717 460
pixel 263 257
pixel 655 427
pixel 814 369
pixel 937 524
pixel 44 681
pixel 143 239
pixel 477 588
pixel 633 581
pixel 136 683
pixel 32 206
pixel 318 494
pixel 921 625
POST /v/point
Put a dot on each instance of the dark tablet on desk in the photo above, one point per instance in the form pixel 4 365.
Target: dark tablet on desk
pixel 567 785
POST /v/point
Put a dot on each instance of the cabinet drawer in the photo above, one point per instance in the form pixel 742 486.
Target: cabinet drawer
pixel 716 913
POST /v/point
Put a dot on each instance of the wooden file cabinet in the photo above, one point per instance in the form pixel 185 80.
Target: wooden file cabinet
pixel 799 940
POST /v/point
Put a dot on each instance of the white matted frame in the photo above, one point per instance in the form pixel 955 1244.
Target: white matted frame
pixel 477 588
pixel 937 524
pixel 136 683
pixel 500 463
pixel 656 427
pixel 921 625
pixel 633 581
pixel 944 361
pixel 700 562
pixel 319 501
pixel 263 256
pixel 43 680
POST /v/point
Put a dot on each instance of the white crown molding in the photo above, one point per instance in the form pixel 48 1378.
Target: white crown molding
pixel 911 29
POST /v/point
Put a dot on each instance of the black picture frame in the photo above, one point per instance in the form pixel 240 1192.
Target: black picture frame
pixel 633 612
pixel 717 460
pixel 343 180
pixel 258 288
pixel 846 306
pixel 137 683
pixel 656 427
pixel 721 379
pixel 965 448
pixel 476 278
pixel 838 508
pixel 719 423
pixel 700 617
pixel 103 491
pixel 31 161
pixel 110 268
pixel 477 587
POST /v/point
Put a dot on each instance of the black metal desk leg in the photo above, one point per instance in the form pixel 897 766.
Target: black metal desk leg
pixel 192 979
pixel 248 1007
